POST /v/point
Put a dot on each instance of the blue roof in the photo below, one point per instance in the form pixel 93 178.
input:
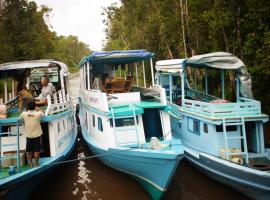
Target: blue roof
pixel 117 57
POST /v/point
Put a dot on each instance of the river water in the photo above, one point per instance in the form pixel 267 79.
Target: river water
pixel 91 180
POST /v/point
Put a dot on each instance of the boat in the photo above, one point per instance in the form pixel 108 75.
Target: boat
pixel 221 127
pixel 17 179
pixel 126 125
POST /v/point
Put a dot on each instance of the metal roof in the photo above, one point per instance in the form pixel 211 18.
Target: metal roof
pixel 117 57
pixel 33 64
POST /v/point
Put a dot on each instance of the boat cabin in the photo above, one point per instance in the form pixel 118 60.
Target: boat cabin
pixel 217 114
pixel 23 79
pixel 118 103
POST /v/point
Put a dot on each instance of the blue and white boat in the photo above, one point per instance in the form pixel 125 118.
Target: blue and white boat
pixel 127 125
pixel 221 127
pixel 17 179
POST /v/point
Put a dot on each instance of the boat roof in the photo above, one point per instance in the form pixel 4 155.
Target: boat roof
pixel 33 64
pixel 117 57
pixel 171 66
pixel 218 60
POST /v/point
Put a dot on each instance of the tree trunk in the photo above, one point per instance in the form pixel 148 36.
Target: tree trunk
pixel 239 38
pixel 225 39
pixel 183 28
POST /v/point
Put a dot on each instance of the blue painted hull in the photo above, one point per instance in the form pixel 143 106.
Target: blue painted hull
pixel 21 186
pixel 154 171
pixel 250 184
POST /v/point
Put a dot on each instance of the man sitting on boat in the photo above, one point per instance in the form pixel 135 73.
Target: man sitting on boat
pixel 33 132
pixel 47 89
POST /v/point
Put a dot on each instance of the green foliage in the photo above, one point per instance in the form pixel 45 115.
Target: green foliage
pixel 24 35
pixel 241 27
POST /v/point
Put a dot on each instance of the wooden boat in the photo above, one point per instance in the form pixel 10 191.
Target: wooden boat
pixel 222 135
pixel 58 125
pixel 128 126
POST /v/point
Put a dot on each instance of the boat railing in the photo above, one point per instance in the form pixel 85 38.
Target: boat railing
pixel 10 146
pixel 58 102
pixel 220 110
pixel 199 95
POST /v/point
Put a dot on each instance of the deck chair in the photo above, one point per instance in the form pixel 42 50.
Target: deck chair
pixel 128 83
pixel 118 86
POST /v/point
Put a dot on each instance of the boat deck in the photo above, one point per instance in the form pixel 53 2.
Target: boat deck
pixel 4 171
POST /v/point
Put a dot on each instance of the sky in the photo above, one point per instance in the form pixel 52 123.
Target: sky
pixel 80 18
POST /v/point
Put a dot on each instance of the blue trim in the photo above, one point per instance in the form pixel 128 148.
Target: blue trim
pixel 43 119
pixel 24 177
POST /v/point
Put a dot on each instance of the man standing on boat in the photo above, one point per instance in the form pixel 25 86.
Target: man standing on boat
pixel 47 88
pixel 33 132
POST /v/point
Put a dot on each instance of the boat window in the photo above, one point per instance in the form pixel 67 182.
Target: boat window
pixel 219 128
pixel 124 122
pixel 194 126
pixel 100 126
pixel 205 128
pixel 94 120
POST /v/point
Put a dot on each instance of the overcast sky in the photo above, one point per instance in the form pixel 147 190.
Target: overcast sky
pixel 81 18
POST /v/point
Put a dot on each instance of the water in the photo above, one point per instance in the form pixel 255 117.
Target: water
pixel 91 180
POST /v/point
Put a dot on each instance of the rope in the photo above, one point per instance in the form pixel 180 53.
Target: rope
pixel 86 157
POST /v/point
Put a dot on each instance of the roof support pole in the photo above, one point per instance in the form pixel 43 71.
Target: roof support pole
pixel 170 85
pixel 83 76
pixel 13 88
pixel 6 90
pixel 157 78
pixel 183 87
pixel 206 81
pixel 144 81
pixel 237 89
pixel 88 76
pixel 222 84
pixel 195 78
pixel 120 71
pixel 137 78
pixel 152 71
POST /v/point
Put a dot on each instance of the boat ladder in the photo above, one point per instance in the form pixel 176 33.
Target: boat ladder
pixel 242 137
pixel 118 130
pixel 9 133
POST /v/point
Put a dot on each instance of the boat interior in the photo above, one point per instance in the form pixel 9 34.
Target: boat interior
pixel 16 83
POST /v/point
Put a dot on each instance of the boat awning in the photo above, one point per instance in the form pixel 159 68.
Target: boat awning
pixel 218 60
pixel 117 57
pixel 125 110
pixel 34 64
pixel 170 66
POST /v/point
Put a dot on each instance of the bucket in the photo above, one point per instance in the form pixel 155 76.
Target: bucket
pixel 11 170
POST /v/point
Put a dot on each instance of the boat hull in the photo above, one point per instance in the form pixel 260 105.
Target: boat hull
pixel 250 184
pixel 21 187
pixel 153 173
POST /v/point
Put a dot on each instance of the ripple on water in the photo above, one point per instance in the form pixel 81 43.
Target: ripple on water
pixel 83 185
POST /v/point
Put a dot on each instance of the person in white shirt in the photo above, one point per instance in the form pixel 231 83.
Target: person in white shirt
pixel 47 88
